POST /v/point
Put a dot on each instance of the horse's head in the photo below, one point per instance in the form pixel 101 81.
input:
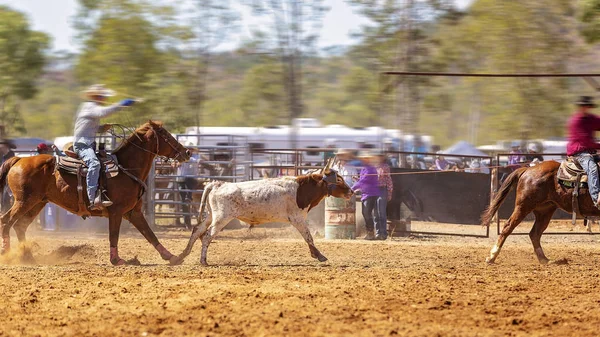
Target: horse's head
pixel 166 145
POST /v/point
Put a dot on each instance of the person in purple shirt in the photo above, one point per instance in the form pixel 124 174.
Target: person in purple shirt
pixel 368 184
pixel 515 159
pixel 441 164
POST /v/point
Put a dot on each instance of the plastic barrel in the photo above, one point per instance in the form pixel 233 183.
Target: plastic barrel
pixel 340 218
pixel 49 218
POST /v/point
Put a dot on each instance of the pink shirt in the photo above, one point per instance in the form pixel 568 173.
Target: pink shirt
pixel 581 133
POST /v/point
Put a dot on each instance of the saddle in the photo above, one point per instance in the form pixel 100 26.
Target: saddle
pixel 72 164
pixel 571 175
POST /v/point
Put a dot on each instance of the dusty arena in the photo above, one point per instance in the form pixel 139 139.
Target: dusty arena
pixel 264 282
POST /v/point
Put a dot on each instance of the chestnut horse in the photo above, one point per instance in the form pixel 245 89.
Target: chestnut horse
pixel 538 191
pixel 35 181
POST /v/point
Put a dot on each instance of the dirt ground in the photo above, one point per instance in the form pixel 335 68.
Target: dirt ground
pixel 264 283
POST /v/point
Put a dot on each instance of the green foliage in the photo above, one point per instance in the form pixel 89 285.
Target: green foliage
pixel 21 63
pixel 590 19
pixel 165 52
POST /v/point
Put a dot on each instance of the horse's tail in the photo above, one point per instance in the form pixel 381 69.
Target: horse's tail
pixel 501 195
pixel 4 171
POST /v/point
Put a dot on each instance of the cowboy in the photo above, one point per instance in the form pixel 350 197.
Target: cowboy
pixel 345 166
pixel 84 144
pixel 6 152
pixel 533 156
pixel 582 145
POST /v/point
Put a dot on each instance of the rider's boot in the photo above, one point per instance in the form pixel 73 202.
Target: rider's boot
pixel 98 203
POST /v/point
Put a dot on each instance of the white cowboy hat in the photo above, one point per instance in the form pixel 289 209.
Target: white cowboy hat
pixel 97 90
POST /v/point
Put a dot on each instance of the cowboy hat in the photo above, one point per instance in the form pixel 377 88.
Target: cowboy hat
pixel 586 101
pixel 8 143
pixel 97 90
pixel 366 155
pixel 344 152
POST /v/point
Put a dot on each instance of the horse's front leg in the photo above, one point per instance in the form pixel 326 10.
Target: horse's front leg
pixel 138 220
pixel 114 227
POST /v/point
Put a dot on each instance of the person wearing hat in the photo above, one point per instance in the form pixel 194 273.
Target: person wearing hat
pixel 84 144
pixel 368 184
pixel 581 142
pixel 345 167
pixel 6 152
pixel 533 156
pixel 515 159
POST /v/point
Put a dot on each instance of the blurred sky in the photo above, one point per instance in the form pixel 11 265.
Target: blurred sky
pixel 54 17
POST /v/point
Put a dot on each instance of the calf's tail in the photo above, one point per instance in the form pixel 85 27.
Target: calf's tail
pixel 200 228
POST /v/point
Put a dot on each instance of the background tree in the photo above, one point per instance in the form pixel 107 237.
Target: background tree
pixel 21 63
pixel 294 25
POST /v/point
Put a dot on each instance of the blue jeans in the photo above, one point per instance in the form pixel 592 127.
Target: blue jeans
pixel 590 167
pixel 87 153
pixel 371 211
pixel 382 212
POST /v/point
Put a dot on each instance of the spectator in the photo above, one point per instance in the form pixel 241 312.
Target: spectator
pixel 515 159
pixel 344 166
pixel 386 189
pixel 368 185
pixel 474 167
pixel 389 148
pixel 6 152
pixel 186 174
pixel 42 148
pixel 533 156
pixel 330 144
pixel 459 166
pixel 441 164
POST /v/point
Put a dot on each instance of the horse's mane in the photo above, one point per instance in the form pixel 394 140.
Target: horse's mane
pixel 144 132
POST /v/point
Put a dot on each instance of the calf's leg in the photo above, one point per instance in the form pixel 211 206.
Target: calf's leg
pixel 302 227
pixel 217 225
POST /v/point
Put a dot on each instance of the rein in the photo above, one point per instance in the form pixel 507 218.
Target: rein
pixel 125 139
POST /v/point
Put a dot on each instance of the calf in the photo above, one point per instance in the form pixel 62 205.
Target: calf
pixel 286 199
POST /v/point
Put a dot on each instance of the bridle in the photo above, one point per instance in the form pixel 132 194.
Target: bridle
pixel 158 135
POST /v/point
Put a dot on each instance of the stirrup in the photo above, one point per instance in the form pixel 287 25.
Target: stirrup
pixel 105 200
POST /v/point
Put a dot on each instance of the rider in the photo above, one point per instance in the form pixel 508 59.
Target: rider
pixel 582 144
pixel 86 125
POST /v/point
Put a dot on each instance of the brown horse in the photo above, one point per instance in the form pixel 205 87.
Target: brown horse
pixel 35 181
pixel 538 191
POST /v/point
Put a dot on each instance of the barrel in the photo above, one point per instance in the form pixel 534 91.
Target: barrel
pixel 340 218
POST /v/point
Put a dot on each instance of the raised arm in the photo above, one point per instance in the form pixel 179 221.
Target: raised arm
pixel 92 110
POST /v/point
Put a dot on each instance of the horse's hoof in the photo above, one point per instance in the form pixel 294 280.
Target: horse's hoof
pixel 175 260
pixel 489 261
pixel 204 263
pixel 118 262
pixel 322 258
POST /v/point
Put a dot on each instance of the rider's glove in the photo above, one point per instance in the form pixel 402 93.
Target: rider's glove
pixel 127 102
